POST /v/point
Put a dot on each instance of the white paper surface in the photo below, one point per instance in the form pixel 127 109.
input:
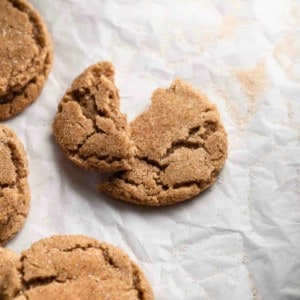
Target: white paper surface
pixel 239 240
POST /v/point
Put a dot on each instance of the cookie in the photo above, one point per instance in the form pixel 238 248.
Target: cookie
pixel 25 56
pixel 181 147
pixel 89 126
pixel 14 188
pixel 74 267
pixel 10 279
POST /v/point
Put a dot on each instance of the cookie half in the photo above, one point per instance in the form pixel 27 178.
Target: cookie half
pixel 89 126
pixel 14 188
pixel 25 56
pixel 181 148
pixel 73 267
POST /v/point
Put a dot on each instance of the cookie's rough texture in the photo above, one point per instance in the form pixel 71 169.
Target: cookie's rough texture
pixel 73 267
pixel 181 147
pixel 25 56
pixel 89 126
pixel 10 279
pixel 14 189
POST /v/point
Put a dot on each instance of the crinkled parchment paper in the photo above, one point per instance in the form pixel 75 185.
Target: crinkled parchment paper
pixel 240 239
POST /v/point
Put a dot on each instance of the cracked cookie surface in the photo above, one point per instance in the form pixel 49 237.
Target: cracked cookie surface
pixel 72 267
pixel 14 189
pixel 89 126
pixel 181 147
pixel 25 56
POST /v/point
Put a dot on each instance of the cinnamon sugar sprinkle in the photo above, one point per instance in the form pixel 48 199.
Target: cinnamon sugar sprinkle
pixel 253 81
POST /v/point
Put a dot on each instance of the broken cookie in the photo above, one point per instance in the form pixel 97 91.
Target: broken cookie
pixel 25 56
pixel 14 189
pixel 71 267
pixel 89 126
pixel 181 148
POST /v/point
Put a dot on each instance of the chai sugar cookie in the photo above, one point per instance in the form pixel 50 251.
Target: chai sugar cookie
pixel 14 189
pixel 25 56
pixel 73 267
pixel 181 148
pixel 89 126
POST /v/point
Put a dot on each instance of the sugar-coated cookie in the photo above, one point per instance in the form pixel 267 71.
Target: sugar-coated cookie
pixel 181 147
pixel 14 188
pixel 89 126
pixel 25 56
pixel 71 267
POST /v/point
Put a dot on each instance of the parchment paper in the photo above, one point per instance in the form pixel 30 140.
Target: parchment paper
pixel 240 239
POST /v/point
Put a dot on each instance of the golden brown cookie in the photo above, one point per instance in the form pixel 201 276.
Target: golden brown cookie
pixel 73 267
pixel 10 279
pixel 25 56
pixel 89 126
pixel 181 147
pixel 14 189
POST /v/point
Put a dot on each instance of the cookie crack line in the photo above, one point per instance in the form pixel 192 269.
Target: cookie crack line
pixel 76 97
pixel 15 163
pixel 181 143
pixel 5 186
pixel 46 280
pixel 13 94
pixel 137 284
pixel 185 143
pixel 199 183
pixel 11 217
pixel 107 158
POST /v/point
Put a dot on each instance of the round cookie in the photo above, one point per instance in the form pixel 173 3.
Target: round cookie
pixel 89 126
pixel 14 188
pixel 25 56
pixel 181 147
pixel 76 267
